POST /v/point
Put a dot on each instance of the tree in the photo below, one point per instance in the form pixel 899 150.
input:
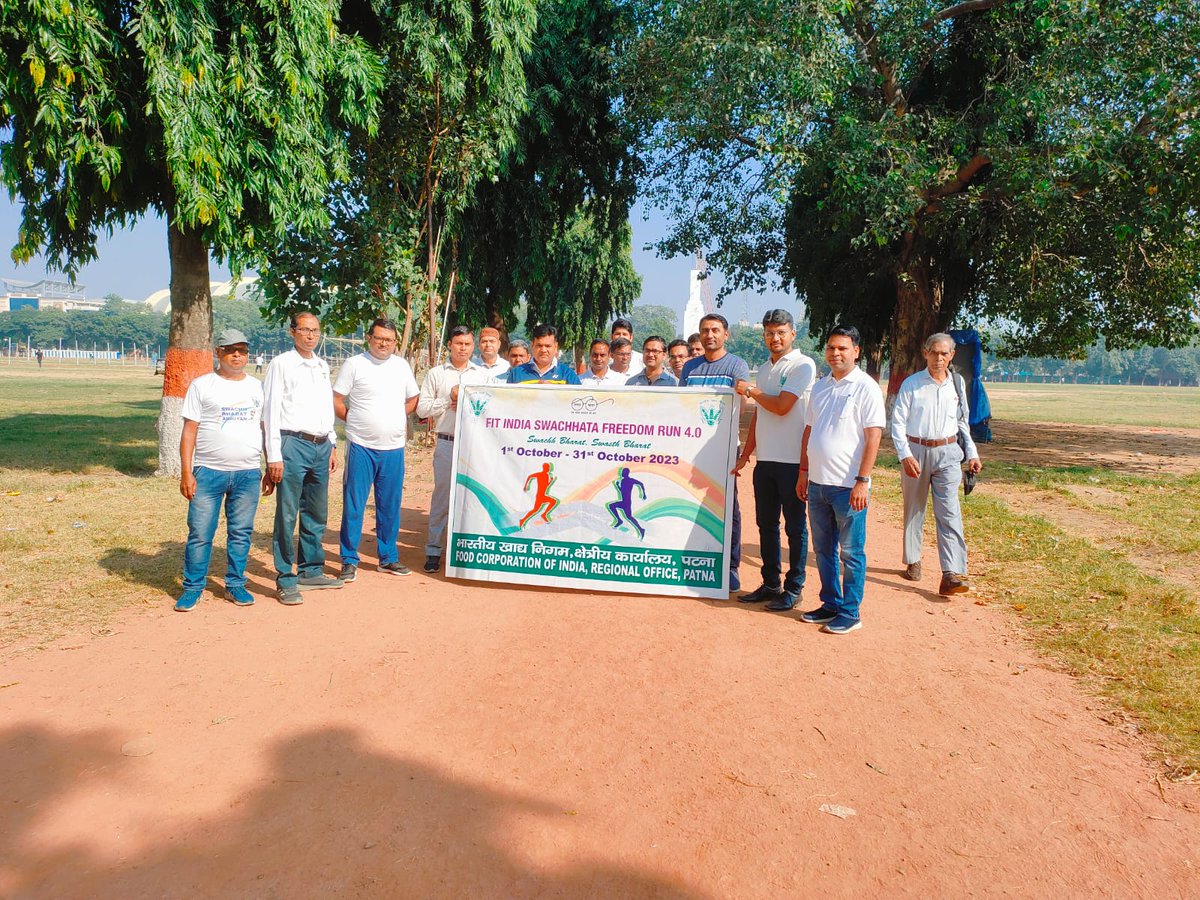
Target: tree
pixel 224 116
pixel 651 319
pixel 1033 162
pixel 553 226
pixel 455 89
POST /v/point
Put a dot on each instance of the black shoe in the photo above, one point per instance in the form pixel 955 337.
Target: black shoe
pixel 348 574
pixel 432 564
pixel 395 568
pixel 761 595
pixel 784 603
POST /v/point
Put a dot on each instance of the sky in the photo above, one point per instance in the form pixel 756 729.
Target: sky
pixel 133 263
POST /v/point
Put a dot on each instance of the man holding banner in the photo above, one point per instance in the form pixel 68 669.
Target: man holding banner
pixel 544 368
pixel 720 368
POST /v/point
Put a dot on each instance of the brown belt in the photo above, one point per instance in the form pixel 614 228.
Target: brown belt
pixel 940 442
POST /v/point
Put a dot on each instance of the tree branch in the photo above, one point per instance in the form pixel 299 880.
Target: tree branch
pixel 961 179
pixel 961 9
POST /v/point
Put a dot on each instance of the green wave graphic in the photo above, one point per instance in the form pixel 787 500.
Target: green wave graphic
pixel 685 509
pixel 491 505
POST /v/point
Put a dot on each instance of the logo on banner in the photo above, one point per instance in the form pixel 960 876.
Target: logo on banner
pixel 479 403
pixel 710 412
pixel 587 406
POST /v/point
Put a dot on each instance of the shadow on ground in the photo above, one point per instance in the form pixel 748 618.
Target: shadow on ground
pixel 328 817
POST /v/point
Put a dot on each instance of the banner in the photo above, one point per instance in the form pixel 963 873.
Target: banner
pixel 615 490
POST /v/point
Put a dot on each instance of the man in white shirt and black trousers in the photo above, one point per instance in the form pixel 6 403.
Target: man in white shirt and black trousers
pixel 298 422
pixel 929 414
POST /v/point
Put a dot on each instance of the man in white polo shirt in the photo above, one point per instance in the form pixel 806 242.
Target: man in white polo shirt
pixel 438 402
pixel 298 422
pixel 374 392
pixel 599 373
pixel 843 425
pixel 780 393
pixel 490 359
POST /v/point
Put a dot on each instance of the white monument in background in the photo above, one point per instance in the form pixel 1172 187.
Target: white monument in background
pixel 700 299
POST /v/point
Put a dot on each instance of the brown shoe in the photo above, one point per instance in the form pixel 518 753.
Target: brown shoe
pixel 912 571
pixel 953 584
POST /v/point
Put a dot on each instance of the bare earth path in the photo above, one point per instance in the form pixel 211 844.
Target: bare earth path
pixel 422 738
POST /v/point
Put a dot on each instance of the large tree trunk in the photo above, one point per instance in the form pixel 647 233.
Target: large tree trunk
pixel 494 319
pixel 917 315
pixel 190 345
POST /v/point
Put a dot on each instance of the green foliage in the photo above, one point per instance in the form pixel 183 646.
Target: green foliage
pixel 225 117
pixel 553 226
pixel 454 90
pixel 651 319
pixel 1030 161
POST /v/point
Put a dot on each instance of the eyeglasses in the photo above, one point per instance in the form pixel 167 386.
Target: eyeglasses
pixel 307 330
pixel 230 351
pixel 382 340
pixel 648 352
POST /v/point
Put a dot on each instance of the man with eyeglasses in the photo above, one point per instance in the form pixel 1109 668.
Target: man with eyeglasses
pixel 678 354
pixel 654 354
pixel 220 452
pixel 375 393
pixel 300 442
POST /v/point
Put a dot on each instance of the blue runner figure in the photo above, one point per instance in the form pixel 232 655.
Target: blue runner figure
pixel 625 485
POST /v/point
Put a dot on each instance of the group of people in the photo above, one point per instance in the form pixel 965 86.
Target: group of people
pixel 815 442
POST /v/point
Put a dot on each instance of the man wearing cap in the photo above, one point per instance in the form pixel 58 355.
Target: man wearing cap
pixel 600 373
pixel 300 443
pixel 490 360
pixel 375 392
pixel 544 368
pixel 220 452
pixel 438 402
pixel 929 414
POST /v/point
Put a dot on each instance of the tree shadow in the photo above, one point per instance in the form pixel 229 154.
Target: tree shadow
pixel 76 443
pixel 329 816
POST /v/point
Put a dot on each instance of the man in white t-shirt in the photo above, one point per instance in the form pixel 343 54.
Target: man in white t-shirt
pixel 374 393
pixel 842 427
pixel 220 452
pixel 780 393
pixel 599 373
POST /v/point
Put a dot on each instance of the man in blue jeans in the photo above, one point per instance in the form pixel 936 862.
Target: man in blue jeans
pixel 220 452
pixel 843 425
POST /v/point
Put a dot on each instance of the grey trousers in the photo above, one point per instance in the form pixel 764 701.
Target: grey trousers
pixel 940 470
pixel 439 505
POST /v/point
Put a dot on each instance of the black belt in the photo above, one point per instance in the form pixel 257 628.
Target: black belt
pixel 445 437
pixel 305 436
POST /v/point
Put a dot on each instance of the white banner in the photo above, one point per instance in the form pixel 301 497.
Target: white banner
pixel 619 490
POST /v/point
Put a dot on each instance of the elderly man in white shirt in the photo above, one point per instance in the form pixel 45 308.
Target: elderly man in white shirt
pixel 929 414
pixel 298 423
pixel 438 402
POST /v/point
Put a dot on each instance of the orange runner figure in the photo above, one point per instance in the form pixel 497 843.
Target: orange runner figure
pixel 543 480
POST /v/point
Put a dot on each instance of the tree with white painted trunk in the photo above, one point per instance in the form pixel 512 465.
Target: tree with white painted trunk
pixel 226 118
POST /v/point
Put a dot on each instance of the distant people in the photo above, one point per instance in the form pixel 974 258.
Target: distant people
pixel 375 393
pixel 719 368
pixel 518 354
pixel 780 393
pixel 258 364
pixel 438 402
pixel 220 454
pixel 842 427
pixel 678 354
pixel 695 345
pixel 598 372
pixel 37 354
pixel 544 368
pixel 301 455
pixel 622 330
pixel 929 414
pixel 622 358
pixel 490 359
pixel 654 354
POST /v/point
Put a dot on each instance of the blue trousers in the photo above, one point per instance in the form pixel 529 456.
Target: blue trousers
pixel 839 535
pixel 239 490
pixel 775 494
pixel 384 471
pixel 303 494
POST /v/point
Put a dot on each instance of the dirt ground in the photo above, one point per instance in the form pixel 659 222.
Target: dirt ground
pixel 425 738
pixel 1124 448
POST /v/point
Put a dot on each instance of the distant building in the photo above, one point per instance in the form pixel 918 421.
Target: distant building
pixel 245 288
pixel 700 301
pixel 45 294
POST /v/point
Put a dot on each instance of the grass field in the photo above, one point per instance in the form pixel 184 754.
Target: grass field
pixel 1095 404
pixel 1100 564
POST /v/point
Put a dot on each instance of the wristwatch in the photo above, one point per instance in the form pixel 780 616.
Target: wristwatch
pixel 863 479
